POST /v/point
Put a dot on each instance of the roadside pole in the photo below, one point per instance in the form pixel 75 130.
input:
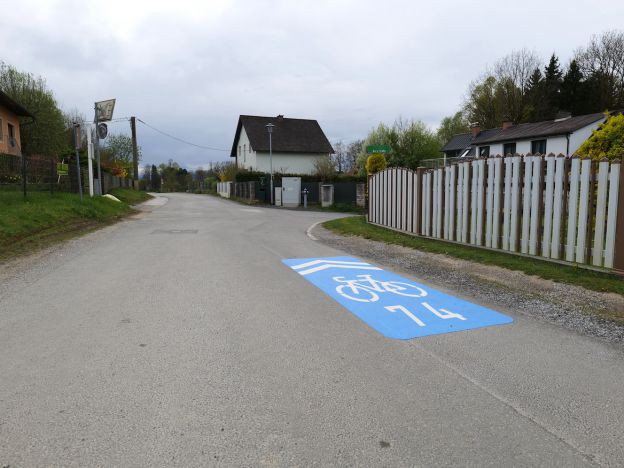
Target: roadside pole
pixel 135 152
pixel 103 113
pixel 97 151
pixel 90 159
pixel 77 149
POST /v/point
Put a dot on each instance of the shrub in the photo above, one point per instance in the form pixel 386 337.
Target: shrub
pixel 375 163
pixel 607 141
pixel 228 172
pixel 324 167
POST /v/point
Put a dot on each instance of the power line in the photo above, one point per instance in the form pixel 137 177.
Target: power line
pixel 181 140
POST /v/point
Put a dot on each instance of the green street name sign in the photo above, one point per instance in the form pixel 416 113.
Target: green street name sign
pixel 62 169
pixel 374 149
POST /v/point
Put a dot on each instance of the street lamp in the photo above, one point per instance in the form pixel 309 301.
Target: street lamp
pixel 269 128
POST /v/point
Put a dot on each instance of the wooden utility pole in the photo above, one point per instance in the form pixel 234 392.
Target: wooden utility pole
pixel 135 151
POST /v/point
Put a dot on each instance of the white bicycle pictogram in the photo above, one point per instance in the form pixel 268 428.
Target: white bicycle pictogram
pixel 366 289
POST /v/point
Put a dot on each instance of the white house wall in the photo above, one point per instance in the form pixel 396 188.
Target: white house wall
pixel 579 137
pixel 556 145
pixel 496 149
pixel 288 163
pixel 523 146
pixel 246 158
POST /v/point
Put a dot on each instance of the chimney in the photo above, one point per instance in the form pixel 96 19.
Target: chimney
pixel 507 124
pixel 475 129
pixel 280 118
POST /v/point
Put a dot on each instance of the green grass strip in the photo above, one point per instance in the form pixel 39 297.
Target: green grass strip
pixel 43 219
pixel 569 274
pixel 130 196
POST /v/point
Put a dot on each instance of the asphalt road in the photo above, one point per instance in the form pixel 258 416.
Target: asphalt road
pixel 180 338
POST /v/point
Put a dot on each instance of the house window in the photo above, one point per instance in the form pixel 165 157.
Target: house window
pixel 509 148
pixel 245 153
pixel 11 135
pixel 1 131
pixel 484 151
pixel 538 147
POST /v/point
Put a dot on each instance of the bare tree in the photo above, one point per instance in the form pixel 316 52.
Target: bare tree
pixel 518 66
pixel 324 167
pixel 353 151
pixel 602 62
pixel 340 156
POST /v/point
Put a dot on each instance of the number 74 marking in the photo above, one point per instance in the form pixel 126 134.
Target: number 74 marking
pixel 441 313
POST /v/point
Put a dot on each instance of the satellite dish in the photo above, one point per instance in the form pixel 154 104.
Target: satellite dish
pixel 102 130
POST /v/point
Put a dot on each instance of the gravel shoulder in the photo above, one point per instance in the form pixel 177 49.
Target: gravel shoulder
pixel 572 307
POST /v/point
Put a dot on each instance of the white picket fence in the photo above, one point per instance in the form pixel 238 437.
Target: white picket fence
pixel 224 189
pixel 549 206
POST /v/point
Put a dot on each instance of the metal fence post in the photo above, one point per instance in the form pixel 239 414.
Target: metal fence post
pixel 24 175
pixel 51 176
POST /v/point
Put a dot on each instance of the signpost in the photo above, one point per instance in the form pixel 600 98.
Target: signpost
pixel 77 144
pixel 378 149
pixel 90 160
pixel 103 113
pixel 62 169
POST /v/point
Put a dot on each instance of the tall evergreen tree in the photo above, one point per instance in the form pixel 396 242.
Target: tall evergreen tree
pixel 155 179
pixel 552 87
pixel 534 109
pixel 574 91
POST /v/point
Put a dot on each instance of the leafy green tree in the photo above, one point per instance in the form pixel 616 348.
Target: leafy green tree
pixel 509 102
pixel 607 141
pixel 117 154
pixel 375 163
pixel 480 105
pixel 451 126
pixel 47 134
pixel 410 141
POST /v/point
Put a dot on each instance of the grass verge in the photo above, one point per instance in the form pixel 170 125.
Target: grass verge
pixel 130 196
pixel 43 219
pixel 594 280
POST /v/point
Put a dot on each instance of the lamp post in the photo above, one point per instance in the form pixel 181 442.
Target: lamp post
pixel 269 128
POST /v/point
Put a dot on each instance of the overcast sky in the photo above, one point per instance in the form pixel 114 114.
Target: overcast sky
pixel 190 68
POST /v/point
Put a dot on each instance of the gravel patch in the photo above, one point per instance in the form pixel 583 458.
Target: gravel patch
pixel 572 307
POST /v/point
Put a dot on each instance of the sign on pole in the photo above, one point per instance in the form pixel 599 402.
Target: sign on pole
pixel 104 110
pixel 378 149
pixel 102 130
pixel 62 169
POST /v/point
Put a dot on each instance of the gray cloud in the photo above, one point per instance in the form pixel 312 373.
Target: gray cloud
pixel 190 68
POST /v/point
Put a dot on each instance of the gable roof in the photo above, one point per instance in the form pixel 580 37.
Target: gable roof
pixel 289 135
pixel 464 140
pixel 13 106
pixel 523 131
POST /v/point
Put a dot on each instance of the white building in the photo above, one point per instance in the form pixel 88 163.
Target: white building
pixel 559 136
pixel 296 143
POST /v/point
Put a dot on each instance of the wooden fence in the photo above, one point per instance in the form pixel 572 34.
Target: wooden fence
pixel 553 207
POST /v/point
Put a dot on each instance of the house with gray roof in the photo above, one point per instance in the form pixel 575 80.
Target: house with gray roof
pixel 296 144
pixel 563 135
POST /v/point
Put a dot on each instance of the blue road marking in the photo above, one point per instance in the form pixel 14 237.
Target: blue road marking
pixel 394 306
